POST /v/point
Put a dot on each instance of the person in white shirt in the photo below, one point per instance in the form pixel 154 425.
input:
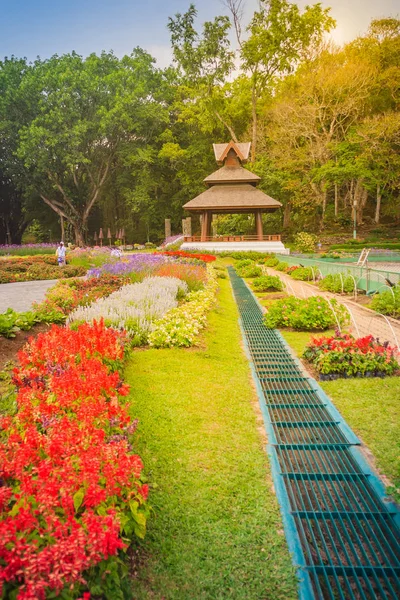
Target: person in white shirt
pixel 60 253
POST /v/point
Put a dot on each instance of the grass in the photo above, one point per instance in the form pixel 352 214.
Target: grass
pixel 216 531
pixel 370 407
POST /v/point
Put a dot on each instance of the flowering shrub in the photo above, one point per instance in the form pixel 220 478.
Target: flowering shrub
pixel 387 303
pixel 27 249
pixel 181 326
pixel 32 268
pixel 134 307
pixel 333 283
pixel 194 275
pixel 303 315
pixel 346 356
pixel 181 254
pixel 267 283
pixel 139 265
pixel 66 295
pixel 70 481
pixel 302 274
pixel 305 242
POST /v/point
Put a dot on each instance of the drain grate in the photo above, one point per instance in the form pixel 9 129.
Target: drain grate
pixel 343 535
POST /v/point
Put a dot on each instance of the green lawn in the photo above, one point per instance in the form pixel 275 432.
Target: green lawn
pixel 216 531
pixel 370 406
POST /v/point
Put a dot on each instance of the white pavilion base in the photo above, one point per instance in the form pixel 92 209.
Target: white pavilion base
pixel 273 247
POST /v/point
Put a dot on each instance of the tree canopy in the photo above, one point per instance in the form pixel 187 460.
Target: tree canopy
pixel 104 141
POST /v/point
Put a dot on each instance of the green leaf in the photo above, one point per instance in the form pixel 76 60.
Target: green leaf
pixel 78 499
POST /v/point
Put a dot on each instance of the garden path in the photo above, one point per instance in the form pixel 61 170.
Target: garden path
pixel 21 295
pixel 364 320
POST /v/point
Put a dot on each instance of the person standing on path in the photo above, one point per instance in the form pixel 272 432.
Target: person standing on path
pixel 60 253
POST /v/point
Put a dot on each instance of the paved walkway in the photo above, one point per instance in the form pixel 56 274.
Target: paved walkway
pixel 364 321
pixel 21 295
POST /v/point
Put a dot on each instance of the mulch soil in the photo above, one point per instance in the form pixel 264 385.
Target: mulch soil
pixel 10 347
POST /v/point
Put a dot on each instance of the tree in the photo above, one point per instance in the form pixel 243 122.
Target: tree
pixel 88 109
pixel 278 37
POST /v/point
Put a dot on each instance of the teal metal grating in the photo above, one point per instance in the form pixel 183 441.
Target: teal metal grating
pixel 342 535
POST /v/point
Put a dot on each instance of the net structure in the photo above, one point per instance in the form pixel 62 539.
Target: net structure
pixel 343 536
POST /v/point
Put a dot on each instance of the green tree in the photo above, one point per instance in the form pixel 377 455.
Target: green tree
pixel 88 109
pixel 278 37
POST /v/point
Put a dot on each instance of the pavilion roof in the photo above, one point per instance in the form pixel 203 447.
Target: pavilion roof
pixel 232 174
pixel 238 197
pixel 242 150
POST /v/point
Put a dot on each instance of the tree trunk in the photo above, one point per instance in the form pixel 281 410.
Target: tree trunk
pixel 324 194
pixel 336 200
pixel 378 204
pixel 254 122
pixel 62 228
pixel 286 215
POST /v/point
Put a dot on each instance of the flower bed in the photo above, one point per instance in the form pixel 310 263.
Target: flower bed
pixel 135 265
pixel 134 307
pixel 305 315
pixel 181 254
pixel 346 356
pixel 27 249
pixel 70 481
pixel 181 326
pixel 33 268
pixel 60 299
pixel 194 275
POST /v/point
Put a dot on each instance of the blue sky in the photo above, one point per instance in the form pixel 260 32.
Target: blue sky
pixel 44 27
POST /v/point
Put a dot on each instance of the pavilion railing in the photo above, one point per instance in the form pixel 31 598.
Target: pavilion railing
pixel 233 238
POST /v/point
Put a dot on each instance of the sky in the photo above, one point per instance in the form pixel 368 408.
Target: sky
pixel 42 28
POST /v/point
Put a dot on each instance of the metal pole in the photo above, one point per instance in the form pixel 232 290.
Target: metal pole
pixel 355 220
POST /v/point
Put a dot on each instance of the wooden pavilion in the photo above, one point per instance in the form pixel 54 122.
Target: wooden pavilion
pixel 231 190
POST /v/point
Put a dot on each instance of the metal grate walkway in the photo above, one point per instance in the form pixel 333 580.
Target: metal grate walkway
pixel 342 535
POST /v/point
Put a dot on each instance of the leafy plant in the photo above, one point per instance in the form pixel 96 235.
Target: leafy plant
pixel 387 303
pixel 333 283
pixel 305 242
pixel 249 271
pixel 267 283
pixel 302 274
pixel 304 315
pixel 282 266
pixel 269 262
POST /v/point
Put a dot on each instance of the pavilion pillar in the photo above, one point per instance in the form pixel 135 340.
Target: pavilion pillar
pixel 204 226
pixel 259 225
pixel 209 221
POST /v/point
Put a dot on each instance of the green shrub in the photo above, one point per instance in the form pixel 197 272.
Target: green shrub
pixel 302 274
pixel 267 283
pixel 251 254
pixel 305 242
pixel 244 262
pixel 282 266
pixel 269 262
pixel 387 303
pixel 11 322
pixel 333 283
pixel 304 315
pixel 249 271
